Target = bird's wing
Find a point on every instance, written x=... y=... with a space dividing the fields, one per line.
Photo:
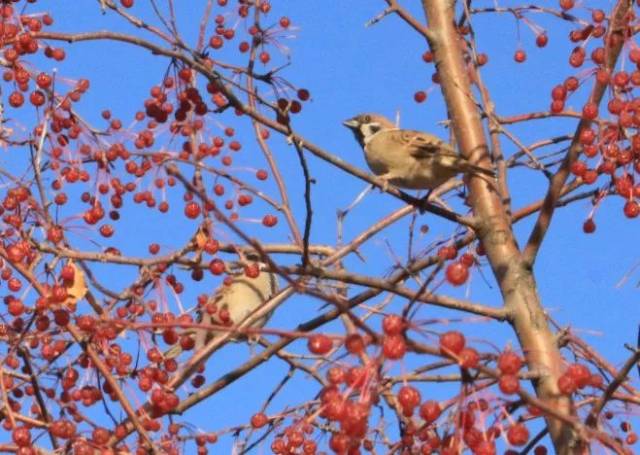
x=416 y=144
x=423 y=146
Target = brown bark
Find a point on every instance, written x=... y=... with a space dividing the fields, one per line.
x=515 y=278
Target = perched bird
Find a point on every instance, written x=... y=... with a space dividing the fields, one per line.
x=406 y=158
x=245 y=290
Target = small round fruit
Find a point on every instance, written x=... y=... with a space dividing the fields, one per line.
x=192 y=210
x=430 y=411
x=469 y=358
x=393 y=324
x=269 y=220
x=420 y=96
x=408 y=397
x=542 y=39
x=517 y=434
x=509 y=384
x=259 y=420
x=457 y=273
x=509 y=362
x=319 y=344
x=589 y=226
x=394 y=347
x=354 y=344
x=452 y=342
x=566 y=384
x=520 y=56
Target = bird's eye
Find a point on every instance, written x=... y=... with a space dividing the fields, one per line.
x=367 y=118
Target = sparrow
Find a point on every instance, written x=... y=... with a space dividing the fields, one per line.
x=407 y=158
x=244 y=291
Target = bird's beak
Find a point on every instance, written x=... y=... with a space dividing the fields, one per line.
x=351 y=123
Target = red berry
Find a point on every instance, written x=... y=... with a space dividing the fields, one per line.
x=295 y=107
x=518 y=435
x=452 y=343
x=285 y=22
x=192 y=210
x=559 y=92
x=106 y=230
x=21 y=436
x=68 y=273
x=217 y=267
x=590 y=111
x=319 y=344
x=621 y=78
x=430 y=411
x=408 y=397
x=354 y=344
x=457 y=273
x=542 y=39
x=269 y=220
x=580 y=374
x=577 y=57
x=589 y=226
x=393 y=324
x=420 y=96
x=394 y=347
x=631 y=209
x=43 y=80
x=598 y=16
x=259 y=420
x=16 y=99
x=252 y=271
x=557 y=106
x=37 y=98
x=566 y=384
x=566 y=4
x=211 y=246
x=587 y=136
x=447 y=253
x=578 y=168
x=469 y=358
x=303 y=94
x=520 y=56
x=216 y=42
x=467 y=259
x=336 y=375
x=509 y=362
x=509 y=384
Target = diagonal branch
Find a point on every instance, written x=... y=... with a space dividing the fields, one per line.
x=618 y=380
x=199 y=65
x=616 y=30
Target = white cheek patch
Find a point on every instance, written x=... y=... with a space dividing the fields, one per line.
x=369 y=130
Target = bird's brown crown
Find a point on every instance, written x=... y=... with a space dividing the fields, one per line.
x=369 y=119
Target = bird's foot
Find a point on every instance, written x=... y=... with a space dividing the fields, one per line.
x=383 y=183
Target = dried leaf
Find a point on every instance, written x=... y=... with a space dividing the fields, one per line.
x=201 y=238
x=77 y=289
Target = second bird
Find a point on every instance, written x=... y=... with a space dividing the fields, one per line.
x=407 y=158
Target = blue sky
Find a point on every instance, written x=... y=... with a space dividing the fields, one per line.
x=350 y=68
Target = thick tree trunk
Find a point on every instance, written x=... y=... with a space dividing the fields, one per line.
x=514 y=276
